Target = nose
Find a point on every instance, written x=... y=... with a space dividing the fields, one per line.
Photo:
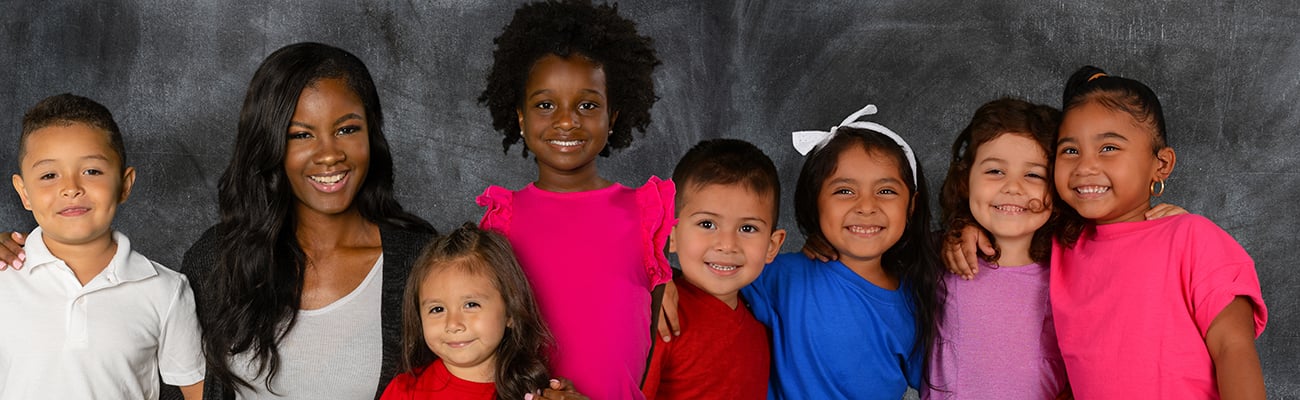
x=567 y=119
x=1087 y=164
x=865 y=205
x=72 y=187
x=455 y=321
x=328 y=151
x=726 y=241
x=1013 y=187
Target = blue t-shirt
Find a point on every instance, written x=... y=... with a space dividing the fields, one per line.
x=834 y=334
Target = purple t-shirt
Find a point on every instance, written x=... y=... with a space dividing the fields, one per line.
x=997 y=338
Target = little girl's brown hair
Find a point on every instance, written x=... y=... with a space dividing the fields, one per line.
x=521 y=361
x=1005 y=116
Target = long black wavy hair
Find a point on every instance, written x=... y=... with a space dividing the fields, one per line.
x=565 y=28
x=914 y=259
x=259 y=276
x=520 y=357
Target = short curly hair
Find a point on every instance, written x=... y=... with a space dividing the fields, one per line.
x=564 y=28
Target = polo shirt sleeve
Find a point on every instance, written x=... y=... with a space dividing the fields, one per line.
x=180 y=353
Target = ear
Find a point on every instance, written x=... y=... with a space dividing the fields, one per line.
x=613 y=117
x=1165 y=160
x=774 y=244
x=519 y=113
x=128 y=181
x=672 y=240
x=22 y=191
x=911 y=205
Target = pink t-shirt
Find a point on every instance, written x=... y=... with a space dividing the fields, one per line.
x=592 y=259
x=1133 y=300
x=997 y=340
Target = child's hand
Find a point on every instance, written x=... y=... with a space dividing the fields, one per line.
x=560 y=389
x=820 y=250
x=960 y=254
x=669 y=326
x=11 y=250
x=1164 y=210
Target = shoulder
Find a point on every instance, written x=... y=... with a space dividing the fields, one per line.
x=202 y=256
x=402 y=246
x=495 y=195
x=399 y=240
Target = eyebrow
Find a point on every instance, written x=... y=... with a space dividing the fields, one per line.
x=715 y=215
x=100 y=157
x=1105 y=135
x=478 y=296
x=855 y=181
x=591 y=91
x=345 y=117
x=995 y=159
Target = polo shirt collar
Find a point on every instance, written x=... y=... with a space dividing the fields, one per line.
x=126 y=265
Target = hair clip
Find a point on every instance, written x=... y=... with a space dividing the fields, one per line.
x=808 y=141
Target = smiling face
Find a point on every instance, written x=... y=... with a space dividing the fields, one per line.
x=1009 y=188
x=1106 y=162
x=464 y=319
x=565 y=115
x=72 y=181
x=863 y=206
x=328 y=150
x=724 y=237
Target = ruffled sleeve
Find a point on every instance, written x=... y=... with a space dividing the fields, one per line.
x=500 y=207
x=655 y=199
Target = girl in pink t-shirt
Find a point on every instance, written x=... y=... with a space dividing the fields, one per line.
x=571 y=81
x=1166 y=308
x=995 y=337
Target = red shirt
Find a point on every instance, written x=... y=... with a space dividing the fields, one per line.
x=437 y=382
x=722 y=353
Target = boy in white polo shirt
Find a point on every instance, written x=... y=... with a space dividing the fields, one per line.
x=93 y=319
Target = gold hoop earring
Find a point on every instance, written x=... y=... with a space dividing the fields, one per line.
x=1158 y=193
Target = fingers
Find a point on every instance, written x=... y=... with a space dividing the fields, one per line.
x=955 y=259
x=819 y=250
x=669 y=325
x=1164 y=210
x=11 y=251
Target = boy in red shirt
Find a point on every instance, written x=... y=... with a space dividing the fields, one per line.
x=727 y=205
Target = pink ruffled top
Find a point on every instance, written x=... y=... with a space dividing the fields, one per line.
x=592 y=259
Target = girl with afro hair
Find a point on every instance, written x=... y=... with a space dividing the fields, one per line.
x=571 y=80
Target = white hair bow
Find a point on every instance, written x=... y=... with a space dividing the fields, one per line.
x=807 y=141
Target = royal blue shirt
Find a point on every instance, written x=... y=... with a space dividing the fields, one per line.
x=834 y=334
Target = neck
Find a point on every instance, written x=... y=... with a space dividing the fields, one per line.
x=88 y=259
x=872 y=271
x=579 y=180
x=1014 y=251
x=321 y=234
x=1134 y=215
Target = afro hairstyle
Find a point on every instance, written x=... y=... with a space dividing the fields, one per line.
x=564 y=28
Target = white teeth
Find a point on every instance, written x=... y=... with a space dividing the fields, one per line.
x=862 y=230
x=566 y=143
x=1010 y=208
x=723 y=268
x=328 y=180
x=1092 y=189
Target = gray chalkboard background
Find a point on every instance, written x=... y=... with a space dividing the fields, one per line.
x=174 y=73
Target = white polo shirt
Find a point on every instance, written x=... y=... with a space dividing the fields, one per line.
x=107 y=340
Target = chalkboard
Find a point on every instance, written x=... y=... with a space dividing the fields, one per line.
x=174 y=74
